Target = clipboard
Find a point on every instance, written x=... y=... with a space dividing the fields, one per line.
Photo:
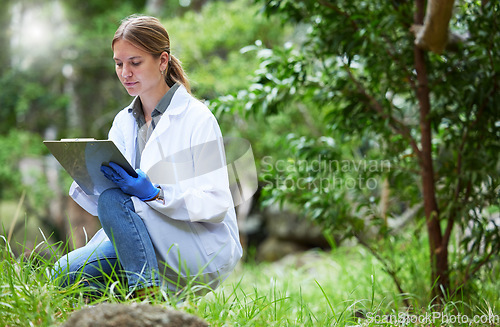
x=82 y=159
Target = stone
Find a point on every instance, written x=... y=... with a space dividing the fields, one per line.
x=273 y=249
x=132 y=315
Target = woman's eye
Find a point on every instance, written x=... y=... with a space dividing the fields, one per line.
x=136 y=63
x=119 y=64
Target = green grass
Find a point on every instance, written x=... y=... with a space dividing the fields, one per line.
x=310 y=289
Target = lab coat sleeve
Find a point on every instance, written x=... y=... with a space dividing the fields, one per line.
x=205 y=197
x=87 y=202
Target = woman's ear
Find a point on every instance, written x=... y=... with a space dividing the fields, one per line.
x=164 y=61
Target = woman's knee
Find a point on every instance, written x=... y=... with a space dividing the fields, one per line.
x=63 y=271
x=109 y=196
x=110 y=201
x=89 y=262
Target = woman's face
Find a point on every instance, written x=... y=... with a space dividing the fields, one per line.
x=139 y=72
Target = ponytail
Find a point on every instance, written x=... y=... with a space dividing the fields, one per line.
x=175 y=73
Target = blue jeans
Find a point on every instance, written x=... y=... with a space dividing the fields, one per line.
x=128 y=252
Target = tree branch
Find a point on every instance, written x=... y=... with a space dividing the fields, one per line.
x=433 y=34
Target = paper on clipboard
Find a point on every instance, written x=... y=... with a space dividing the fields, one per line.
x=82 y=159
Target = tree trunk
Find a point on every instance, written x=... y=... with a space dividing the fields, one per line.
x=438 y=253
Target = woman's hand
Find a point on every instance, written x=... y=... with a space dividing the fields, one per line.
x=139 y=186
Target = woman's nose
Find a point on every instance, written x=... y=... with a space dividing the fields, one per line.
x=126 y=72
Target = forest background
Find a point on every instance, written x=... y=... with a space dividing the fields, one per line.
x=379 y=141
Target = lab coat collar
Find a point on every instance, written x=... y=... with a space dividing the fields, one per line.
x=179 y=104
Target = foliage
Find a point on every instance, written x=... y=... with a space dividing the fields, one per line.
x=24 y=95
x=211 y=56
x=13 y=147
x=355 y=72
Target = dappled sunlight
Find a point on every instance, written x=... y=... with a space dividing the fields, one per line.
x=36 y=30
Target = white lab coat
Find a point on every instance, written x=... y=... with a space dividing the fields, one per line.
x=195 y=231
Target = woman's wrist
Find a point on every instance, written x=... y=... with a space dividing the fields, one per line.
x=158 y=196
x=154 y=197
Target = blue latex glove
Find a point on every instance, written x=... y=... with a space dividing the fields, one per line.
x=139 y=186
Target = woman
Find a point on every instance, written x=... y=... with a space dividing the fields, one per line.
x=182 y=229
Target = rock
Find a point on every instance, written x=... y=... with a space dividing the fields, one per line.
x=293 y=227
x=132 y=315
x=273 y=249
x=288 y=233
x=310 y=258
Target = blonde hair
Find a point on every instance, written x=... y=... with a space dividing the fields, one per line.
x=148 y=33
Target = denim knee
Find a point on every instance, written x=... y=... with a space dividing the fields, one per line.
x=60 y=273
x=67 y=270
x=109 y=197
x=110 y=201
x=89 y=264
